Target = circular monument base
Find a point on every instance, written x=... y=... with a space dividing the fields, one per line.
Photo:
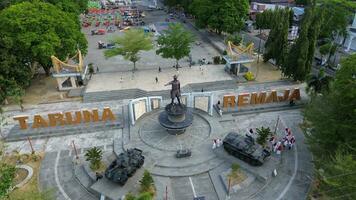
x=176 y=118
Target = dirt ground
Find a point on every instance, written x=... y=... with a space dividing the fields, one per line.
x=43 y=89
x=264 y=72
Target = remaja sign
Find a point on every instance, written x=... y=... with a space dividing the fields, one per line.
x=254 y=98
x=67 y=118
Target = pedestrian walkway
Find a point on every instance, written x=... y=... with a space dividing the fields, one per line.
x=145 y=79
x=56 y=174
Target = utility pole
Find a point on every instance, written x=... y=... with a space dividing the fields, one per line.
x=75 y=150
x=166 y=198
x=275 y=129
x=32 y=150
x=259 y=47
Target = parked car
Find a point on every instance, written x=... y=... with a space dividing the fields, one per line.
x=98 y=32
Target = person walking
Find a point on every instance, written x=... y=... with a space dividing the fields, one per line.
x=98 y=176
x=159 y=69
x=214 y=143
x=156 y=79
x=218 y=142
x=291 y=142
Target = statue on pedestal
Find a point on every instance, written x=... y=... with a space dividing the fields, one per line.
x=176 y=117
x=175 y=91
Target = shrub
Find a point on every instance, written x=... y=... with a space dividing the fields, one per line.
x=94 y=156
x=235 y=167
x=91 y=68
x=249 y=76
x=146 y=182
x=235 y=39
x=223 y=61
x=130 y=196
x=263 y=134
x=7 y=174
x=144 y=196
x=224 y=52
x=141 y=196
x=216 y=60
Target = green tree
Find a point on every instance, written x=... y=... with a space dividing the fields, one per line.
x=235 y=167
x=129 y=196
x=75 y=6
x=49 y=32
x=17 y=96
x=266 y=19
x=225 y=16
x=339 y=172
x=7 y=173
x=318 y=83
x=333 y=115
x=146 y=182
x=170 y=3
x=277 y=42
x=233 y=14
x=336 y=14
x=94 y=156
x=302 y=2
x=13 y=74
x=263 y=134
x=202 y=10
x=130 y=44
x=2 y=123
x=324 y=50
x=301 y=55
x=144 y=196
x=328 y=49
x=175 y=43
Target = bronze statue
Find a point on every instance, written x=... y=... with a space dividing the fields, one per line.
x=175 y=91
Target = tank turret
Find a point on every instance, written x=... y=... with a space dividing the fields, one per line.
x=245 y=149
x=125 y=166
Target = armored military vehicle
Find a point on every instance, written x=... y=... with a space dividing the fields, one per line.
x=245 y=149
x=125 y=166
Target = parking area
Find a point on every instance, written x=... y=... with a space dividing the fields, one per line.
x=149 y=59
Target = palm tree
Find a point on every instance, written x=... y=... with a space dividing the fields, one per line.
x=318 y=83
x=94 y=156
x=263 y=134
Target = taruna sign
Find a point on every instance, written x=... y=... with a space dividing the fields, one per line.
x=263 y=97
x=67 y=118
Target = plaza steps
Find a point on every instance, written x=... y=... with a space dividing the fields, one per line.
x=188 y=170
x=82 y=177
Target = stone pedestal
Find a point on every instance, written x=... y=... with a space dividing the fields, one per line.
x=176 y=118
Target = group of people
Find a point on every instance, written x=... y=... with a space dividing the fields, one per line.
x=217 y=143
x=287 y=142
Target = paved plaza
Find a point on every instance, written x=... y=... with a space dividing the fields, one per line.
x=145 y=79
x=149 y=59
x=199 y=175
x=204 y=174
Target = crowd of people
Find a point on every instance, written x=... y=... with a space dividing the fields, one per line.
x=287 y=142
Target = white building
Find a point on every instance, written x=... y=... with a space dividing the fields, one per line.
x=350 y=42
